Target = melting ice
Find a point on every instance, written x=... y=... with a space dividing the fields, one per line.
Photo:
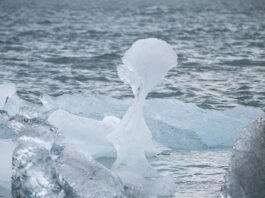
x=55 y=141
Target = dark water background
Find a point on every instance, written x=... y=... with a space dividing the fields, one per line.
x=60 y=46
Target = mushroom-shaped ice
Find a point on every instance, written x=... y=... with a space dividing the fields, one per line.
x=145 y=64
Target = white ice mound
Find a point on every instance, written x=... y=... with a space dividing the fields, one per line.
x=87 y=134
x=245 y=177
x=145 y=65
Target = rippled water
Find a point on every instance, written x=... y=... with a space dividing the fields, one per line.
x=61 y=46
x=196 y=173
x=55 y=47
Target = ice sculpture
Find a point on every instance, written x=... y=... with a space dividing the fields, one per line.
x=145 y=64
x=245 y=177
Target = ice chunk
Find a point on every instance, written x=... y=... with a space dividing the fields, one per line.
x=11 y=129
x=144 y=65
x=90 y=179
x=245 y=177
x=34 y=173
x=173 y=137
x=43 y=169
x=88 y=135
x=6 y=150
x=214 y=128
x=9 y=101
x=7 y=90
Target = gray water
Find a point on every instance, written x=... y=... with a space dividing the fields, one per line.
x=61 y=46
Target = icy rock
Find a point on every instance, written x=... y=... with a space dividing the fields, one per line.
x=43 y=169
x=19 y=126
x=88 y=178
x=34 y=175
x=145 y=65
x=245 y=177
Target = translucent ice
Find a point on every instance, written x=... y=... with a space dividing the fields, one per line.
x=43 y=169
x=245 y=177
x=11 y=103
x=7 y=90
x=144 y=65
x=214 y=128
x=6 y=151
x=174 y=123
x=86 y=134
x=88 y=178
x=12 y=128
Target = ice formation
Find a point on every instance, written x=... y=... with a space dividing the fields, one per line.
x=6 y=151
x=43 y=169
x=7 y=90
x=57 y=163
x=144 y=65
x=174 y=124
x=89 y=135
x=245 y=177
x=9 y=101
